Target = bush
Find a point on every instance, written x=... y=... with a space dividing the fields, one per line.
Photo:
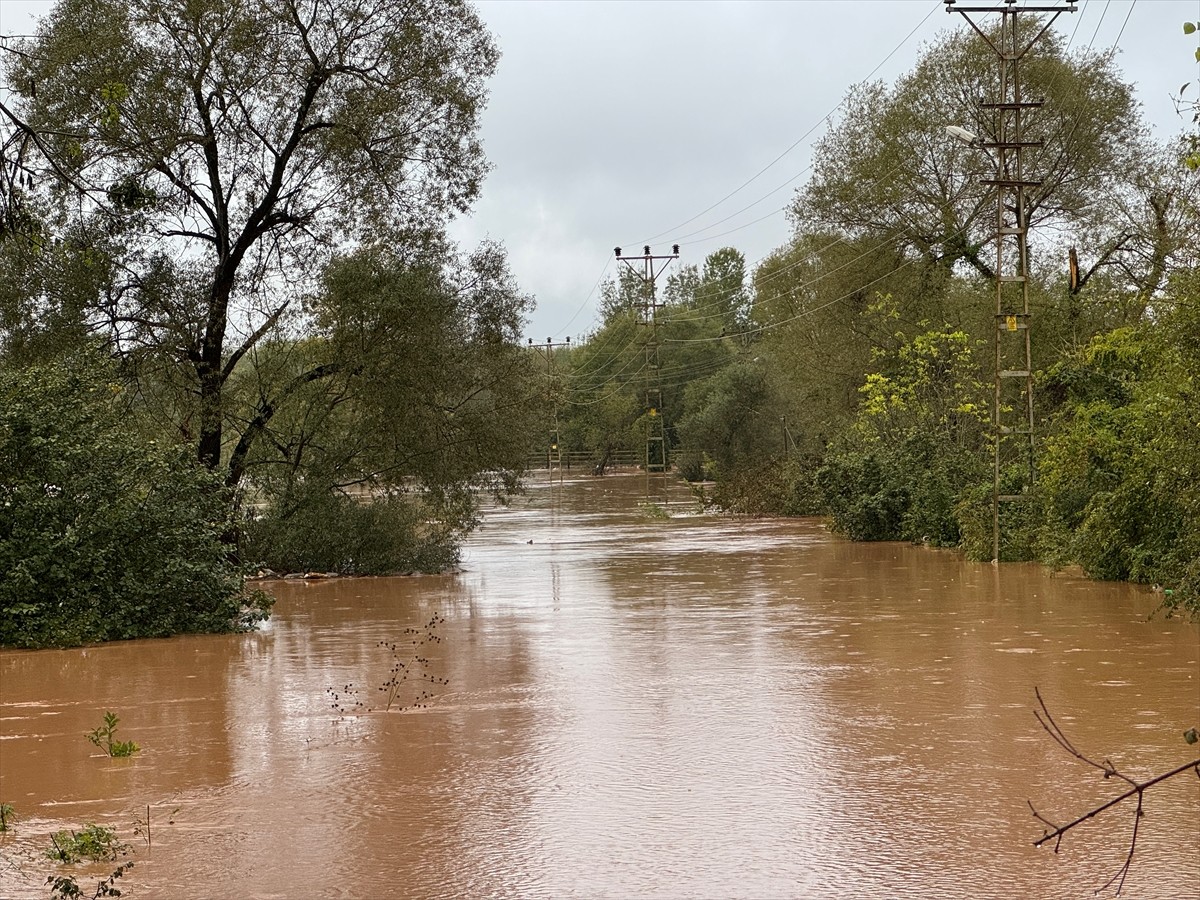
x=382 y=536
x=865 y=501
x=1119 y=471
x=92 y=843
x=916 y=446
x=104 y=535
x=1024 y=525
x=776 y=487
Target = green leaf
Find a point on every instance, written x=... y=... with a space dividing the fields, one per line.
x=1189 y=27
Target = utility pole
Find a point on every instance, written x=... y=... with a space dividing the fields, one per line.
x=1012 y=410
x=649 y=267
x=553 y=450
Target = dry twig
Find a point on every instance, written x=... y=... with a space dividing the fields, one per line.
x=1053 y=832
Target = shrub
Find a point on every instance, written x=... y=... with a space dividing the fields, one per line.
x=380 y=536
x=104 y=535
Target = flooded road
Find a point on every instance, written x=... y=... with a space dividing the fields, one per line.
x=693 y=706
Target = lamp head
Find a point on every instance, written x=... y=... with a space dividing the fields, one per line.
x=967 y=137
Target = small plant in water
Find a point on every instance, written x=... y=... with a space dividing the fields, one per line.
x=652 y=510
x=345 y=699
x=408 y=666
x=65 y=887
x=102 y=737
x=93 y=843
x=7 y=816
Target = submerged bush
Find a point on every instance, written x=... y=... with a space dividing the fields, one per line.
x=104 y=535
x=1119 y=473
x=776 y=487
x=92 y=843
x=916 y=447
x=317 y=528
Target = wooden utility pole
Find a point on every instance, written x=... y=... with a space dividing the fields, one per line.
x=649 y=267
x=1012 y=409
x=554 y=445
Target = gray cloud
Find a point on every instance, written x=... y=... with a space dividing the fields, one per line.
x=611 y=122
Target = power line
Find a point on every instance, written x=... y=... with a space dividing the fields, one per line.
x=781 y=272
x=798 y=141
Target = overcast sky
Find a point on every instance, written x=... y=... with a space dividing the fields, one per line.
x=622 y=123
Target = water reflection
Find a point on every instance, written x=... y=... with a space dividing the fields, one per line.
x=694 y=706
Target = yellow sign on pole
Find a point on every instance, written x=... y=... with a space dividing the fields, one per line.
x=1011 y=322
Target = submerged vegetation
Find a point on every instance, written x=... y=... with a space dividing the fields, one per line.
x=408 y=671
x=92 y=843
x=103 y=738
x=850 y=374
x=246 y=348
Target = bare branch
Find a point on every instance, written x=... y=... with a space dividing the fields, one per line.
x=1138 y=789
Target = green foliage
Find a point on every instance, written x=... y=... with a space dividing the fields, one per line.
x=66 y=887
x=102 y=737
x=866 y=501
x=93 y=843
x=698 y=334
x=1120 y=474
x=777 y=486
x=382 y=535
x=918 y=443
x=1022 y=523
x=314 y=323
x=396 y=453
x=7 y=816
x=651 y=510
x=104 y=535
x=728 y=414
x=886 y=173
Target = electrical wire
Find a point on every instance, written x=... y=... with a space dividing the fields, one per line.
x=760 y=173
x=893 y=240
x=937 y=5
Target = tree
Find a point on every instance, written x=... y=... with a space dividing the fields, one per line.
x=722 y=289
x=334 y=419
x=624 y=294
x=212 y=155
x=611 y=370
x=887 y=173
x=602 y=407
x=729 y=415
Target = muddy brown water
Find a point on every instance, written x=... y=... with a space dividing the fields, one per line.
x=637 y=707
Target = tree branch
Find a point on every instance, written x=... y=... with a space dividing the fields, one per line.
x=1137 y=789
x=237 y=354
x=266 y=410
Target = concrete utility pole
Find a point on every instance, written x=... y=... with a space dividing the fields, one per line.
x=553 y=451
x=656 y=434
x=1012 y=411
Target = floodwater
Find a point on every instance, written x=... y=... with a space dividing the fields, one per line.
x=692 y=706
